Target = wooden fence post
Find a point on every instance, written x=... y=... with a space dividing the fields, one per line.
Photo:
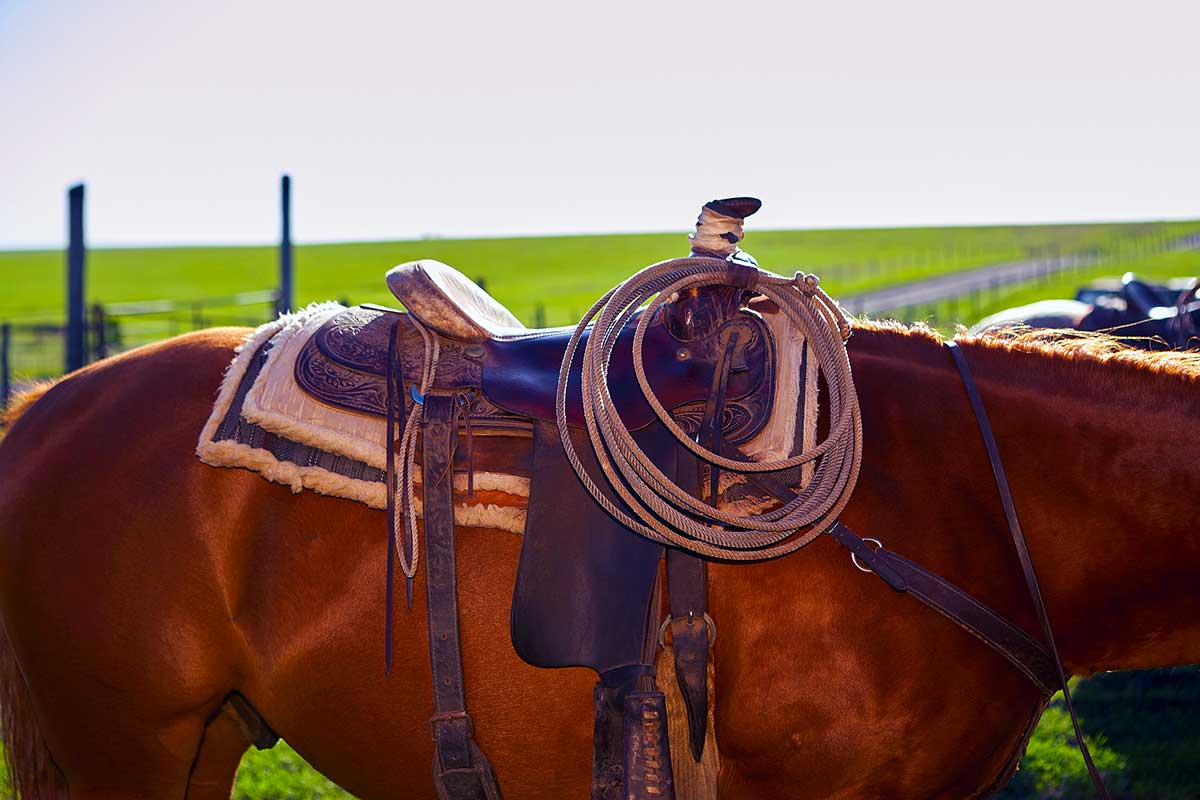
x=99 y=333
x=76 y=349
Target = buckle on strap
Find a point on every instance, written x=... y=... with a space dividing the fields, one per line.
x=668 y=619
x=450 y=716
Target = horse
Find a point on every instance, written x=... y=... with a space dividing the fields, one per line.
x=1139 y=314
x=161 y=616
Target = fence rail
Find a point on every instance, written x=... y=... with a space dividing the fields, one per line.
x=35 y=350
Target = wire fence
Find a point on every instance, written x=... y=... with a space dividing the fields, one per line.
x=35 y=350
x=968 y=296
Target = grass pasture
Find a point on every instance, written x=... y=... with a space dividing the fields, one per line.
x=547 y=281
x=544 y=281
x=565 y=274
x=1145 y=722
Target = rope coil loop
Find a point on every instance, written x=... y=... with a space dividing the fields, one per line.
x=663 y=511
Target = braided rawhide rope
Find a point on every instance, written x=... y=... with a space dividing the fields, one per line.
x=663 y=511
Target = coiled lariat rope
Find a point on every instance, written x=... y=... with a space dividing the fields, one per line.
x=662 y=510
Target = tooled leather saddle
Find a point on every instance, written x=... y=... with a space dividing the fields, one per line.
x=588 y=590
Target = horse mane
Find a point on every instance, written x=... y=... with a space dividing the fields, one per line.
x=20 y=403
x=1062 y=345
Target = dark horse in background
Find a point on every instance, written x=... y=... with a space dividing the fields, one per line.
x=1142 y=314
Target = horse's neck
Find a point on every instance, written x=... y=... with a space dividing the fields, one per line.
x=1101 y=470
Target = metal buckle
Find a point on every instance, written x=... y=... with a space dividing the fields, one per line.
x=854 y=558
x=450 y=716
x=667 y=620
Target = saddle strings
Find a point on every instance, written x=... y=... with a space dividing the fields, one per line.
x=663 y=511
x=404 y=520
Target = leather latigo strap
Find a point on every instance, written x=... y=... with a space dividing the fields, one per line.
x=687 y=588
x=687 y=575
x=460 y=769
x=1022 y=548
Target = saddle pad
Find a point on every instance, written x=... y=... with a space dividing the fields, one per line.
x=262 y=421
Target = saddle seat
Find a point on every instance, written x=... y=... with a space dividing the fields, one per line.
x=515 y=369
x=449 y=303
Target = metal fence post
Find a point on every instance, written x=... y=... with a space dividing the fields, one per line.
x=76 y=349
x=286 y=287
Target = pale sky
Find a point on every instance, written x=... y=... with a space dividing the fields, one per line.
x=398 y=120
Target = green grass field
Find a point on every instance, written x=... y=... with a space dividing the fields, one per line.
x=565 y=274
x=545 y=281
x=1144 y=739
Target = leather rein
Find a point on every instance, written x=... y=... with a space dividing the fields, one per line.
x=1022 y=548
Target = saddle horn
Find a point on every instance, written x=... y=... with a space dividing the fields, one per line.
x=701 y=310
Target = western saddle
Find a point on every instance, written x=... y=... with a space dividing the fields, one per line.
x=588 y=590
x=674 y=390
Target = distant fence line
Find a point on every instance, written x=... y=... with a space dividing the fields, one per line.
x=921 y=264
x=88 y=334
x=115 y=327
x=972 y=291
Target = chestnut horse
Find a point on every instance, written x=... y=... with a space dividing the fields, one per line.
x=140 y=588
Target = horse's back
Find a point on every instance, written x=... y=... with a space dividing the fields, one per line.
x=167 y=380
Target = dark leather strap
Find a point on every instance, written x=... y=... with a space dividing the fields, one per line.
x=871 y=559
x=713 y=422
x=1018 y=537
x=396 y=418
x=687 y=589
x=1007 y=639
x=460 y=770
x=687 y=575
x=934 y=591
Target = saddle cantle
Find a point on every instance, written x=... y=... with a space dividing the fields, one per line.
x=449 y=303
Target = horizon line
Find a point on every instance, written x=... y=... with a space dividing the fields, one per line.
x=296 y=242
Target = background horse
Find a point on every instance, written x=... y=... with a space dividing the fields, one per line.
x=1139 y=314
x=144 y=594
